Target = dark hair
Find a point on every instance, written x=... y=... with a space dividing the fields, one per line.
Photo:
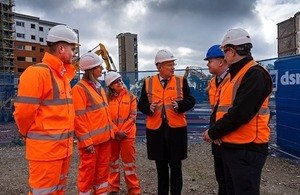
x=244 y=49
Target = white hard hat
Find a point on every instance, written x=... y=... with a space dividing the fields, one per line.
x=111 y=77
x=62 y=33
x=164 y=56
x=89 y=60
x=236 y=36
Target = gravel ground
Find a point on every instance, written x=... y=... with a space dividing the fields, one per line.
x=281 y=176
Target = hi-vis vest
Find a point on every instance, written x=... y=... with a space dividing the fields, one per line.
x=92 y=118
x=257 y=129
x=214 y=91
x=156 y=93
x=50 y=131
x=123 y=110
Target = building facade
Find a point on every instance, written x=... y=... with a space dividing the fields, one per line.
x=288 y=34
x=128 y=56
x=30 y=40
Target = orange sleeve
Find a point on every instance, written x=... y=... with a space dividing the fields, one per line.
x=30 y=92
x=80 y=101
x=126 y=127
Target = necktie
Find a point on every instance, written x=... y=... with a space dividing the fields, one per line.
x=165 y=82
x=219 y=80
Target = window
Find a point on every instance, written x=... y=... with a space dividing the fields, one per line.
x=21 y=35
x=41 y=28
x=32 y=26
x=32 y=37
x=41 y=50
x=33 y=59
x=33 y=48
x=21 y=47
x=21 y=59
x=41 y=39
x=18 y=23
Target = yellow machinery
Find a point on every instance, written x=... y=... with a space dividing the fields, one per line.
x=110 y=66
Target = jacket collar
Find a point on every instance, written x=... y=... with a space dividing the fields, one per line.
x=236 y=67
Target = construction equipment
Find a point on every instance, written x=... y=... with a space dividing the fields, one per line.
x=110 y=66
x=199 y=80
x=196 y=71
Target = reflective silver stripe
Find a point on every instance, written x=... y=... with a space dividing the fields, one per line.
x=235 y=88
x=85 y=193
x=93 y=133
x=90 y=108
x=133 y=112
x=114 y=170
x=122 y=120
x=128 y=164
x=178 y=87
x=51 y=137
x=262 y=111
x=158 y=107
x=100 y=186
x=168 y=106
x=114 y=163
x=150 y=88
x=93 y=106
x=54 y=83
x=27 y=100
x=57 y=102
x=38 y=191
x=96 y=106
x=80 y=112
x=129 y=172
x=223 y=108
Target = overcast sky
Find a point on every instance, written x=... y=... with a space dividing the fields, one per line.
x=186 y=27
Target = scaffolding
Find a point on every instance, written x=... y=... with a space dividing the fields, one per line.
x=7 y=62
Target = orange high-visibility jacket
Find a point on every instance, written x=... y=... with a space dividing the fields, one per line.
x=44 y=111
x=257 y=129
x=123 y=110
x=156 y=93
x=214 y=91
x=92 y=118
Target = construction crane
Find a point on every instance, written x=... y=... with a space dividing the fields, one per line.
x=110 y=66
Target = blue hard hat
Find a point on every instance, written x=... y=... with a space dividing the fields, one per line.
x=214 y=52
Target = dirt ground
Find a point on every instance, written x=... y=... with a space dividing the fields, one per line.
x=281 y=175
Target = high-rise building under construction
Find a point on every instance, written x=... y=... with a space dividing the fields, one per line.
x=128 y=56
x=7 y=36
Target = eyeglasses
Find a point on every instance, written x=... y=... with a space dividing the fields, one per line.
x=116 y=81
x=226 y=49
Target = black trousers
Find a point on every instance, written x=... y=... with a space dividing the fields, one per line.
x=242 y=170
x=165 y=179
x=220 y=176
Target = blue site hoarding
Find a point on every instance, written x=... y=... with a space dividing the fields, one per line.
x=288 y=104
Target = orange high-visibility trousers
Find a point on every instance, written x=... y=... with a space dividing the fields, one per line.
x=94 y=169
x=48 y=177
x=127 y=149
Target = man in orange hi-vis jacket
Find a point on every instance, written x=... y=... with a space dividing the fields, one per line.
x=123 y=110
x=44 y=113
x=93 y=128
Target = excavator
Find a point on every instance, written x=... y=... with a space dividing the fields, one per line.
x=110 y=66
x=196 y=71
x=200 y=79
